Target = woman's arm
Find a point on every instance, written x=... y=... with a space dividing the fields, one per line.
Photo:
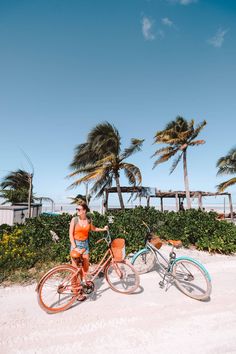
x=99 y=229
x=71 y=233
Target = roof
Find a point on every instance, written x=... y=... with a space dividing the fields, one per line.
x=13 y=207
x=154 y=192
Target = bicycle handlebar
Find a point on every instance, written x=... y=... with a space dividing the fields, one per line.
x=106 y=238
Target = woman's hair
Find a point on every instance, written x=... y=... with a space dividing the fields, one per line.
x=84 y=205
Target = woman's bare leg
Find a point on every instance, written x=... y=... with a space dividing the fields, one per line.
x=85 y=266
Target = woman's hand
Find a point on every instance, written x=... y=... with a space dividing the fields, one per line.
x=105 y=228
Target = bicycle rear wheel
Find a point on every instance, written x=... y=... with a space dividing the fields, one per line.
x=58 y=290
x=144 y=261
x=192 y=279
x=122 y=277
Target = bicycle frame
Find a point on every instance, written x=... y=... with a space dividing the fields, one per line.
x=102 y=264
x=105 y=261
x=167 y=270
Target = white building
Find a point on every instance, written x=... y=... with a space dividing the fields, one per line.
x=16 y=214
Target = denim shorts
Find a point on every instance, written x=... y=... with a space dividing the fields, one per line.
x=82 y=244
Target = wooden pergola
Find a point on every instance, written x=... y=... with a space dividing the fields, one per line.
x=148 y=193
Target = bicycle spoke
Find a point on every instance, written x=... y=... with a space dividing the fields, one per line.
x=191 y=279
x=58 y=289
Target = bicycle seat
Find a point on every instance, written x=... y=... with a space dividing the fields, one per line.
x=76 y=254
x=175 y=243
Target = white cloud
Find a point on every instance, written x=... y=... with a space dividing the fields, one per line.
x=147 y=28
x=218 y=39
x=187 y=2
x=183 y=2
x=167 y=22
x=161 y=34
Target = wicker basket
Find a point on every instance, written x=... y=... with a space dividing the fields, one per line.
x=118 y=249
x=156 y=241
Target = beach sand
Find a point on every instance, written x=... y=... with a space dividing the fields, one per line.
x=150 y=321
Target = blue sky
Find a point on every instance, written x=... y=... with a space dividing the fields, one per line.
x=66 y=66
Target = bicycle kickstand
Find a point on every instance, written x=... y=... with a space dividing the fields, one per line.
x=163 y=281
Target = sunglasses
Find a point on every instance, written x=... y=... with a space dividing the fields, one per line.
x=79 y=209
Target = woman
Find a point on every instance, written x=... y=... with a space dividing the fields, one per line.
x=80 y=226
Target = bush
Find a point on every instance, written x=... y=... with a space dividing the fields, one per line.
x=22 y=246
x=15 y=252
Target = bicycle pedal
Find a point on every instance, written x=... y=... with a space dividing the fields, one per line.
x=88 y=287
x=161 y=284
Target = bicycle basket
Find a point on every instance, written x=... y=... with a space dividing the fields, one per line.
x=118 y=249
x=156 y=241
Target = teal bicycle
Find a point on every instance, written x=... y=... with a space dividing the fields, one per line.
x=190 y=276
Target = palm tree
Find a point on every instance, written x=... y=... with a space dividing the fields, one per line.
x=100 y=160
x=79 y=197
x=227 y=166
x=178 y=135
x=16 y=187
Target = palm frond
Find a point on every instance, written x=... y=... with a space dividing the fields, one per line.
x=165 y=150
x=175 y=163
x=83 y=156
x=16 y=180
x=104 y=138
x=198 y=129
x=227 y=164
x=197 y=142
x=99 y=186
x=164 y=158
x=133 y=173
x=222 y=186
x=135 y=146
x=89 y=177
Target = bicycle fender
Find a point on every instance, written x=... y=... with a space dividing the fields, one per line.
x=194 y=261
x=143 y=250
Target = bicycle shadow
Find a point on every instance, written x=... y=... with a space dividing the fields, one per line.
x=171 y=283
x=99 y=290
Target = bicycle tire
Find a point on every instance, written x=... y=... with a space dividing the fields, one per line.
x=144 y=261
x=55 y=291
x=192 y=279
x=122 y=277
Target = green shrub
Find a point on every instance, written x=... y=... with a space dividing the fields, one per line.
x=23 y=246
x=15 y=252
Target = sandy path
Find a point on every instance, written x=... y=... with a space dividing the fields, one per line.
x=151 y=321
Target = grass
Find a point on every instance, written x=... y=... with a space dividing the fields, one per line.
x=26 y=276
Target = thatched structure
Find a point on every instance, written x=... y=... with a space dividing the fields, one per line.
x=148 y=193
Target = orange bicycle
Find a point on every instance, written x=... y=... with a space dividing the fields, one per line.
x=61 y=286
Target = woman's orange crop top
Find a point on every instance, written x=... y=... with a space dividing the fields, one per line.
x=81 y=233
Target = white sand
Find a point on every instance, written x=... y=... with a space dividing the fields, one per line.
x=151 y=321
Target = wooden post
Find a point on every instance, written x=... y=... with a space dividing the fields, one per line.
x=148 y=202
x=162 y=209
x=30 y=176
x=200 y=200
x=105 y=204
x=177 y=201
x=231 y=207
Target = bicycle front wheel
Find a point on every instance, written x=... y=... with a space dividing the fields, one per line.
x=192 y=279
x=144 y=261
x=58 y=289
x=122 y=277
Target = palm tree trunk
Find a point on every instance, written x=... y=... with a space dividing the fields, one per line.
x=119 y=191
x=186 y=179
